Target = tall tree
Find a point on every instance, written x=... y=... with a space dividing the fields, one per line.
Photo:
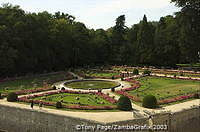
x=145 y=44
x=118 y=39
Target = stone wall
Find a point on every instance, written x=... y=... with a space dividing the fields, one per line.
x=14 y=119
x=187 y=120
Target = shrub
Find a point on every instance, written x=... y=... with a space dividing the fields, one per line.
x=174 y=75
x=112 y=89
x=147 y=72
x=181 y=74
x=54 y=87
x=58 y=105
x=63 y=88
x=12 y=97
x=124 y=103
x=113 y=77
x=196 y=96
x=99 y=90
x=149 y=101
x=135 y=72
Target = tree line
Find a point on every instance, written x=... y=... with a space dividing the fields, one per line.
x=45 y=42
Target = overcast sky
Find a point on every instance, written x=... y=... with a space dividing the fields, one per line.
x=101 y=13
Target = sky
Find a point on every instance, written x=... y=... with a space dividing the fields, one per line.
x=101 y=13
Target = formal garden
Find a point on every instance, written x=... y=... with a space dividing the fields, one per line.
x=166 y=90
x=89 y=94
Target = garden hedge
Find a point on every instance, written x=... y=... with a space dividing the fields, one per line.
x=149 y=101
x=58 y=105
x=135 y=72
x=147 y=72
x=124 y=103
x=12 y=97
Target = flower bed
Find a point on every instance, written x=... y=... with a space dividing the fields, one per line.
x=135 y=86
x=182 y=78
x=28 y=91
x=29 y=98
x=134 y=98
x=175 y=99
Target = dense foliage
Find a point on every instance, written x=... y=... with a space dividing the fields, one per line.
x=147 y=72
x=58 y=105
x=149 y=101
x=12 y=97
x=135 y=72
x=124 y=103
x=44 y=42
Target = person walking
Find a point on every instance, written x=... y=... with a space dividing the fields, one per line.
x=32 y=104
x=40 y=105
x=150 y=123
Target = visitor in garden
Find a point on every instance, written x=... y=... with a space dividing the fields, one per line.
x=150 y=123
x=40 y=105
x=32 y=103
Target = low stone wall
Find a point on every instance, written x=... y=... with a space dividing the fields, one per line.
x=14 y=119
x=184 y=121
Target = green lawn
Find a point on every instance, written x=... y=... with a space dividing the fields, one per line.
x=92 y=84
x=31 y=83
x=101 y=74
x=71 y=99
x=189 y=65
x=165 y=87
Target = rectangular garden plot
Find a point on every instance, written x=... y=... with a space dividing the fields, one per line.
x=73 y=100
x=166 y=90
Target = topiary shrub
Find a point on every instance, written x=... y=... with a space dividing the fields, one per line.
x=58 y=105
x=99 y=90
x=12 y=97
x=149 y=101
x=124 y=103
x=174 y=75
x=54 y=87
x=135 y=72
x=181 y=74
x=196 y=96
x=113 y=77
x=147 y=72
x=112 y=89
